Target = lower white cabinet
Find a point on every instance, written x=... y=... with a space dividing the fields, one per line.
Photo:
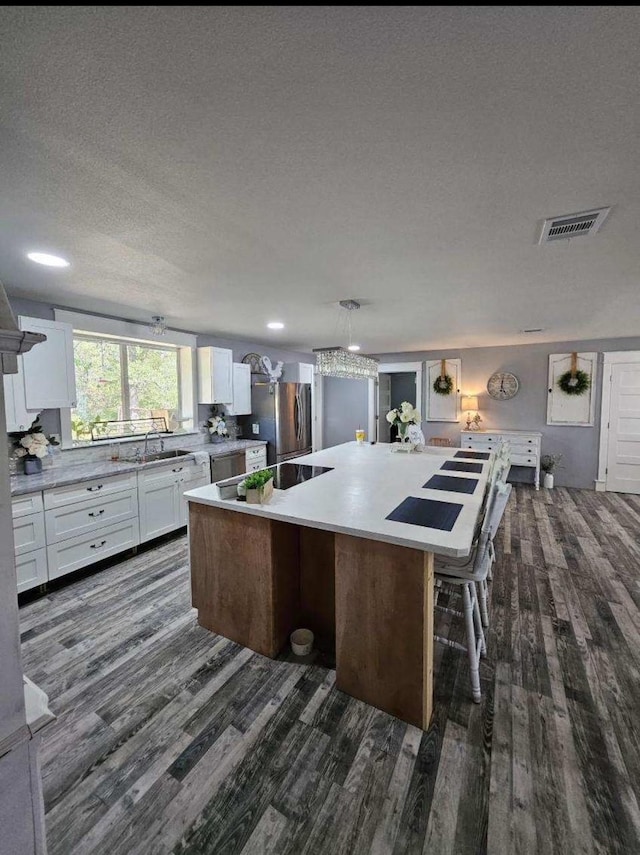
x=31 y=569
x=74 y=520
x=256 y=458
x=77 y=552
x=66 y=528
x=161 y=504
x=28 y=533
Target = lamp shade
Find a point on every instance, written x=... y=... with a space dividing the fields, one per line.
x=469 y=403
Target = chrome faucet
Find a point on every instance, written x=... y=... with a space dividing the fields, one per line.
x=146 y=441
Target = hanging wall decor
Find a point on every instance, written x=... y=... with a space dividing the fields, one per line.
x=571 y=392
x=574 y=381
x=443 y=401
x=443 y=385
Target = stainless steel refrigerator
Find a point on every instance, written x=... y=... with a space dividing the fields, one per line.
x=283 y=411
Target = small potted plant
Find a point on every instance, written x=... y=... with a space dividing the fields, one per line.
x=32 y=445
x=259 y=487
x=549 y=463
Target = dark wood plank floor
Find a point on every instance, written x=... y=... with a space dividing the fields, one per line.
x=170 y=739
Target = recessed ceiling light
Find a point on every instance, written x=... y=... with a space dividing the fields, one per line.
x=353 y=347
x=47 y=259
x=275 y=325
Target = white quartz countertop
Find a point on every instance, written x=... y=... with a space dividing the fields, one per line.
x=367 y=483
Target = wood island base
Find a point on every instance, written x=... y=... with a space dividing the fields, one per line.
x=254 y=580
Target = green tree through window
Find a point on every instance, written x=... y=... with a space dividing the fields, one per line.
x=122 y=380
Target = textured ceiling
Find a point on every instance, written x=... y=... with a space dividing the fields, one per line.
x=226 y=166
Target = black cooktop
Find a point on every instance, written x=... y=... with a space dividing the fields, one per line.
x=286 y=475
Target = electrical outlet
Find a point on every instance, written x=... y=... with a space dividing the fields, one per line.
x=255 y=428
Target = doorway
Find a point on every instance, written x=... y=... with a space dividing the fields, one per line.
x=619 y=469
x=397 y=382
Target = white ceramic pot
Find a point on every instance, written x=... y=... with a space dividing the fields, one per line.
x=302 y=642
x=548 y=480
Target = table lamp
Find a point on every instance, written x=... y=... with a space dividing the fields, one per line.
x=470 y=405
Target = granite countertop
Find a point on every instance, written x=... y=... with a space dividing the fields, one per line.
x=61 y=475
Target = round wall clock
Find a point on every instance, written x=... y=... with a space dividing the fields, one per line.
x=503 y=386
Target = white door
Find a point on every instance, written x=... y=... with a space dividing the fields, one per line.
x=384 y=405
x=623 y=451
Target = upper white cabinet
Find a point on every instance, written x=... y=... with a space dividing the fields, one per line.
x=241 y=405
x=215 y=375
x=19 y=418
x=48 y=370
x=297 y=372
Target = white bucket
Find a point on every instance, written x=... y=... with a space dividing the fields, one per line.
x=302 y=642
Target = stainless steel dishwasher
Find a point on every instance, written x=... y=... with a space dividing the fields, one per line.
x=228 y=466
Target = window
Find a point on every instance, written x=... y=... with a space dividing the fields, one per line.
x=118 y=379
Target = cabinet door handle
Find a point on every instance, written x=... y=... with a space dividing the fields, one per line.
x=179 y=469
x=93 y=489
x=96 y=513
x=98 y=545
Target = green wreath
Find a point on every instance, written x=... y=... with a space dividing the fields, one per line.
x=445 y=389
x=582 y=382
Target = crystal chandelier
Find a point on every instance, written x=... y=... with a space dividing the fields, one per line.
x=158 y=325
x=345 y=362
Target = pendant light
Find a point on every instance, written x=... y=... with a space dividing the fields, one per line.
x=346 y=362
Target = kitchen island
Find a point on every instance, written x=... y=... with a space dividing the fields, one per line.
x=345 y=547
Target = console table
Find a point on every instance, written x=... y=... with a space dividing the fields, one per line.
x=525 y=446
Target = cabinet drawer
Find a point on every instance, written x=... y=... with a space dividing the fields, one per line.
x=22 y=506
x=69 y=555
x=31 y=569
x=74 y=520
x=258 y=451
x=524 y=459
x=169 y=473
x=28 y=533
x=256 y=467
x=520 y=446
x=85 y=490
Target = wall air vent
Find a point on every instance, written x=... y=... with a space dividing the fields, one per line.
x=573 y=225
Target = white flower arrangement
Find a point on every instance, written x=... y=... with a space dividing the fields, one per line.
x=218 y=426
x=403 y=417
x=33 y=442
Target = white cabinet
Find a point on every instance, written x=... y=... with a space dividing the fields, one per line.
x=29 y=541
x=241 y=405
x=297 y=372
x=161 y=506
x=215 y=375
x=48 y=370
x=525 y=446
x=256 y=458
x=31 y=569
x=76 y=552
x=18 y=416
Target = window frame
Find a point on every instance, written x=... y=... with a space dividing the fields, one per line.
x=125 y=332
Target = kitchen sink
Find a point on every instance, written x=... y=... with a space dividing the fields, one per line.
x=164 y=455
x=157 y=455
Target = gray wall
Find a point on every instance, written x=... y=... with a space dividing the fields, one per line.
x=528 y=410
x=51 y=418
x=345 y=408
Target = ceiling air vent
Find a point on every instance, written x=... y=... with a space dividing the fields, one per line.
x=573 y=225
